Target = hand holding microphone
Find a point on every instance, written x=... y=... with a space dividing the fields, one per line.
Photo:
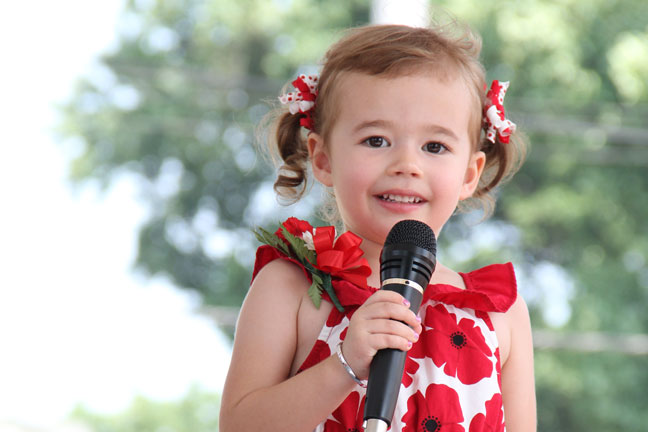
x=407 y=262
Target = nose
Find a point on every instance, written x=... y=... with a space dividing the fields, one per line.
x=405 y=161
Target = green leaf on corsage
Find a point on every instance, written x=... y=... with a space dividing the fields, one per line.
x=299 y=246
x=306 y=257
x=271 y=240
x=315 y=293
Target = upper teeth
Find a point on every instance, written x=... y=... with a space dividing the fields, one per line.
x=400 y=198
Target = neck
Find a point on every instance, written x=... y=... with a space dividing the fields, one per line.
x=441 y=275
x=372 y=254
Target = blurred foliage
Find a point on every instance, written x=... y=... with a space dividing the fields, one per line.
x=176 y=106
x=579 y=77
x=177 y=103
x=196 y=412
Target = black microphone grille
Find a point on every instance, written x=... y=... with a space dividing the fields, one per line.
x=412 y=232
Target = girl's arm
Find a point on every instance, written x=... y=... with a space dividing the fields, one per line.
x=518 y=384
x=259 y=392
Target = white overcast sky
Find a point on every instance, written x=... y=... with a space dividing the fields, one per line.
x=75 y=325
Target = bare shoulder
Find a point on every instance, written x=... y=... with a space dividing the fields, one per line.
x=273 y=299
x=279 y=278
x=513 y=330
x=266 y=332
x=511 y=325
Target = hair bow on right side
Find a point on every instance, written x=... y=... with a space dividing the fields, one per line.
x=495 y=122
x=303 y=99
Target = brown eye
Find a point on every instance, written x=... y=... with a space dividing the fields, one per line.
x=435 y=147
x=376 y=142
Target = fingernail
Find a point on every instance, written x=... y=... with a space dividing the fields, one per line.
x=406 y=302
x=416 y=336
x=418 y=318
x=409 y=345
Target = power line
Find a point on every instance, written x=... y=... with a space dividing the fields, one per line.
x=589 y=342
x=583 y=342
x=572 y=126
x=572 y=122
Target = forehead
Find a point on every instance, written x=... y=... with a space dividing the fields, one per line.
x=416 y=100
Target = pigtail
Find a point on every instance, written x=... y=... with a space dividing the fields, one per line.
x=290 y=147
x=503 y=160
x=286 y=141
x=504 y=147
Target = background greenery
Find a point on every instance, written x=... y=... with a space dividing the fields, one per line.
x=177 y=104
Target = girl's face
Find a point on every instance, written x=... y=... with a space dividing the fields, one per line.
x=400 y=149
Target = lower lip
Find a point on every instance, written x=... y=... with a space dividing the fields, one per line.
x=399 y=207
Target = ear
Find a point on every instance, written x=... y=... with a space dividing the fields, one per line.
x=320 y=159
x=473 y=174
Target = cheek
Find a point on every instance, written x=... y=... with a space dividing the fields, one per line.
x=349 y=182
x=450 y=182
x=348 y=166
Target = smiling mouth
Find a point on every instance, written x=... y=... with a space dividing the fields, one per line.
x=400 y=199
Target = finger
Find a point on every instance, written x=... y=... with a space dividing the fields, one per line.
x=393 y=328
x=394 y=311
x=387 y=296
x=382 y=341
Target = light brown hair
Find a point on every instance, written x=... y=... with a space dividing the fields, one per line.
x=392 y=51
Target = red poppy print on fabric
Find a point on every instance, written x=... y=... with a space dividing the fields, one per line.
x=334 y=318
x=493 y=421
x=459 y=348
x=349 y=416
x=411 y=367
x=498 y=368
x=343 y=333
x=438 y=411
x=418 y=351
x=486 y=318
x=319 y=352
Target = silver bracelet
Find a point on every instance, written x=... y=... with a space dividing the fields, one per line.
x=361 y=383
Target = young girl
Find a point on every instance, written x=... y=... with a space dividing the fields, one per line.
x=398 y=126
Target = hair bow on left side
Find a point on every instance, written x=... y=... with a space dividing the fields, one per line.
x=495 y=122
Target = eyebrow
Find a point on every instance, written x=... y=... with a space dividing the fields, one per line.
x=432 y=128
x=372 y=123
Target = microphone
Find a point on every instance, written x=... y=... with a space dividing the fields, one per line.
x=407 y=262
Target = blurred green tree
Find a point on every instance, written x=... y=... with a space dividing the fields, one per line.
x=176 y=105
x=574 y=217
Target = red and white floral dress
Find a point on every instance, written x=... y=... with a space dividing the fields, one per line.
x=452 y=379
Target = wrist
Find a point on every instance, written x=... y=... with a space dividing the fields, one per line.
x=347 y=368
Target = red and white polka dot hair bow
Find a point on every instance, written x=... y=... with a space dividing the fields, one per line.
x=495 y=122
x=303 y=100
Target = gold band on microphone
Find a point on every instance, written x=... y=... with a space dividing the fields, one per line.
x=400 y=281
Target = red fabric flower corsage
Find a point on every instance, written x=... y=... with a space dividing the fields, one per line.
x=322 y=255
x=342 y=257
x=495 y=122
x=296 y=227
x=302 y=100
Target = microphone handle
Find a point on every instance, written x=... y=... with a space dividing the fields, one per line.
x=386 y=371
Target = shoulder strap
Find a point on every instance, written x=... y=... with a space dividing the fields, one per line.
x=490 y=289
